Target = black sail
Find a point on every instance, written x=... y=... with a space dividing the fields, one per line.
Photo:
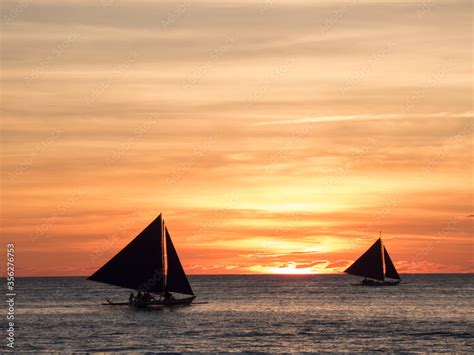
x=176 y=280
x=370 y=264
x=138 y=266
x=390 y=270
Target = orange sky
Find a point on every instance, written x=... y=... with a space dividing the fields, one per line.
x=275 y=136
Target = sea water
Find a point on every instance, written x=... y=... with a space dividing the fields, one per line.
x=250 y=313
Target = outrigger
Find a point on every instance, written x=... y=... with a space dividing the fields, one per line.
x=149 y=264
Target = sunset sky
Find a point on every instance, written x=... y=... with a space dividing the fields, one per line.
x=275 y=136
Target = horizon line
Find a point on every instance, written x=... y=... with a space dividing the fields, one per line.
x=259 y=274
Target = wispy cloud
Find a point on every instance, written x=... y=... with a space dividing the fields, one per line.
x=387 y=116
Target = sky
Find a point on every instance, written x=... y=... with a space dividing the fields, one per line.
x=274 y=136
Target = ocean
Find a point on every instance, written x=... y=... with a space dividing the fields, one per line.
x=250 y=313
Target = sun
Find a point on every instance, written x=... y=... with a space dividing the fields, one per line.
x=291 y=269
x=287 y=269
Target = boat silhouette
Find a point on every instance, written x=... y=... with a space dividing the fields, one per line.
x=148 y=264
x=376 y=267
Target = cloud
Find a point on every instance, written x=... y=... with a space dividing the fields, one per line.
x=412 y=267
x=300 y=198
x=339 y=265
x=387 y=116
x=311 y=264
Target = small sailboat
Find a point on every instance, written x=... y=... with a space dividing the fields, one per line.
x=149 y=264
x=376 y=267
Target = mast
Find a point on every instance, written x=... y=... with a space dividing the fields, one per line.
x=163 y=253
x=390 y=270
x=383 y=255
x=176 y=279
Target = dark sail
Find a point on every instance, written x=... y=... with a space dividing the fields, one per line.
x=138 y=266
x=390 y=270
x=176 y=280
x=370 y=264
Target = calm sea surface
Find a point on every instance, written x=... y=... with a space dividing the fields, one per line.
x=251 y=314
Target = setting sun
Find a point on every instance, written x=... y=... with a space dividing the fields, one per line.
x=291 y=269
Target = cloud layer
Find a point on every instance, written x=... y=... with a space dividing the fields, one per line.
x=275 y=136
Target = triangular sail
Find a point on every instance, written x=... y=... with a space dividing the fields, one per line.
x=138 y=266
x=370 y=264
x=390 y=270
x=176 y=280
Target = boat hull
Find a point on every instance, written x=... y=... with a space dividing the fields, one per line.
x=174 y=302
x=378 y=284
x=157 y=303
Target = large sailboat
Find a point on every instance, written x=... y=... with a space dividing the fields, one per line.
x=150 y=265
x=376 y=267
